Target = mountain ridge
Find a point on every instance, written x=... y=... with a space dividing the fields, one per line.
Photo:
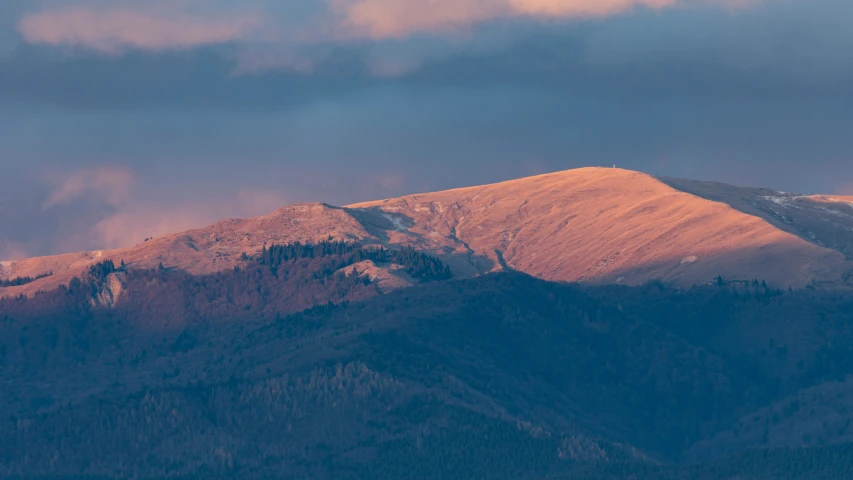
x=594 y=225
x=309 y=361
x=635 y=228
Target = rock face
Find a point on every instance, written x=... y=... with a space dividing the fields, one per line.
x=387 y=277
x=600 y=225
x=111 y=291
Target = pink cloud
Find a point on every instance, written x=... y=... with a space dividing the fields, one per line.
x=110 y=183
x=845 y=189
x=136 y=222
x=111 y=30
x=582 y=8
x=400 y=18
x=278 y=32
x=251 y=203
x=130 y=219
x=11 y=251
x=130 y=227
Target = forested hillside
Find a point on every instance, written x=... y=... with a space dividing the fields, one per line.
x=293 y=366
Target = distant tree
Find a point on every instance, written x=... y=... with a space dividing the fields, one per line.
x=101 y=270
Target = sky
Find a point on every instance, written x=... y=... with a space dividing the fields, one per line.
x=127 y=119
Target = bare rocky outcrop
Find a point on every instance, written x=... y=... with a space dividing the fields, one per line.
x=111 y=290
x=386 y=277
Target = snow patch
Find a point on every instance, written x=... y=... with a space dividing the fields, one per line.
x=397 y=221
x=786 y=199
x=783 y=201
x=387 y=277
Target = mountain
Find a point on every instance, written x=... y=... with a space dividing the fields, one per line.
x=421 y=337
x=825 y=220
x=604 y=225
x=594 y=225
x=293 y=366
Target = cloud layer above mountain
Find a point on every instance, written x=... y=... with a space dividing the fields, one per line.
x=126 y=118
x=110 y=30
x=159 y=25
x=400 y=18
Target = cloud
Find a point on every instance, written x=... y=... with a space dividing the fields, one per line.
x=760 y=96
x=391 y=181
x=108 y=183
x=846 y=189
x=112 y=206
x=158 y=25
x=378 y=38
x=131 y=226
x=257 y=202
x=255 y=61
x=135 y=222
x=399 y=18
x=112 y=30
x=12 y=251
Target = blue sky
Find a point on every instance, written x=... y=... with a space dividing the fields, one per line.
x=124 y=119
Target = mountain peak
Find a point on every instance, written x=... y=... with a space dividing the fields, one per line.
x=609 y=225
x=594 y=224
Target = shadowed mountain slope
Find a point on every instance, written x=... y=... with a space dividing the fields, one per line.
x=596 y=225
x=825 y=220
x=499 y=376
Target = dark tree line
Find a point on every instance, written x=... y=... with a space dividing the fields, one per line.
x=101 y=270
x=419 y=265
x=284 y=279
x=278 y=254
x=18 y=281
